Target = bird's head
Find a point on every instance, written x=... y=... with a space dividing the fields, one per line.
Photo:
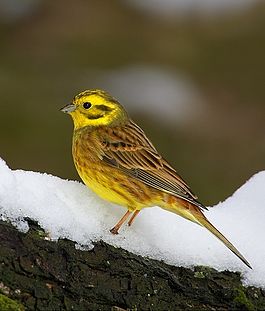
x=95 y=108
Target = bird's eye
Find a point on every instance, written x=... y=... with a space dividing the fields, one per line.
x=86 y=105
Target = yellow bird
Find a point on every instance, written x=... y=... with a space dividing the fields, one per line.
x=116 y=160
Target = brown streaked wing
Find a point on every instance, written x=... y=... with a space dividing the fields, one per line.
x=127 y=148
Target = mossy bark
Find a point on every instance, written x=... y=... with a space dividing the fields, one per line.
x=48 y=275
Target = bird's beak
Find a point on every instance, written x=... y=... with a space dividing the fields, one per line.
x=68 y=108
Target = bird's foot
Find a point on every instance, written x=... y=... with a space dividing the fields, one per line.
x=114 y=230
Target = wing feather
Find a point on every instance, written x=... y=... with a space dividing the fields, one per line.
x=127 y=148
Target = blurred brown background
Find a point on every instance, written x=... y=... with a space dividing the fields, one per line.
x=192 y=75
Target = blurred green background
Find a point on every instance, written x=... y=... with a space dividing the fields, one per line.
x=192 y=76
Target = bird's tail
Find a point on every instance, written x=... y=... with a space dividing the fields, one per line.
x=205 y=223
x=194 y=214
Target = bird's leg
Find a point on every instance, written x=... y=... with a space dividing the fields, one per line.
x=116 y=228
x=133 y=217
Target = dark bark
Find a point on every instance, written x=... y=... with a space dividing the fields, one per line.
x=47 y=275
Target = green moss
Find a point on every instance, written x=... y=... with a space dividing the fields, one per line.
x=7 y=304
x=199 y=275
x=201 y=272
x=242 y=300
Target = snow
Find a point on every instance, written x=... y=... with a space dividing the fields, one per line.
x=68 y=209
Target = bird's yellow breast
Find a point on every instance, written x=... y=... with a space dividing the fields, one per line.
x=102 y=184
x=106 y=181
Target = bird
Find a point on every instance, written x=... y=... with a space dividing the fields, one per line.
x=115 y=159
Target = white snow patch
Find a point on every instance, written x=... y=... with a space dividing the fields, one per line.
x=68 y=209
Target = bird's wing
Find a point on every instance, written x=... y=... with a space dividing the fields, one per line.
x=127 y=148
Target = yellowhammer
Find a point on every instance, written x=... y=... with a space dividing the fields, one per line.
x=116 y=160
